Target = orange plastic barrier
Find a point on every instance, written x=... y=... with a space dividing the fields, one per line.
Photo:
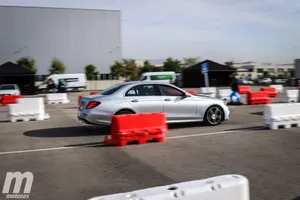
x=12 y=99
x=79 y=99
x=93 y=92
x=270 y=91
x=258 y=98
x=192 y=92
x=244 y=89
x=137 y=127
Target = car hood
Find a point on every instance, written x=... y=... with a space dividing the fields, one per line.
x=203 y=97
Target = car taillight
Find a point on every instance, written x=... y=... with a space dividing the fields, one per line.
x=92 y=104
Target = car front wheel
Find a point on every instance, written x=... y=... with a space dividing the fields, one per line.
x=213 y=116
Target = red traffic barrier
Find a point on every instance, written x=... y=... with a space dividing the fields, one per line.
x=258 y=98
x=79 y=99
x=244 y=89
x=270 y=91
x=137 y=127
x=192 y=92
x=93 y=92
x=12 y=99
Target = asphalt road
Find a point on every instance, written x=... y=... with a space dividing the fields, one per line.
x=69 y=161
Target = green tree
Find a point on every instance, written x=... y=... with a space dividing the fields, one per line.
x=28 y=63
x=126 y=69
x=266 y=74
x=117 y=69
x=188 y=62
x=172 y=65
x=148 y=67
x=158 y=69
x=57 y=67
x=91 y=72
x=131 y=70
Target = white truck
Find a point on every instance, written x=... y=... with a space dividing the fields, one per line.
x=165 y=77
x=75 y=82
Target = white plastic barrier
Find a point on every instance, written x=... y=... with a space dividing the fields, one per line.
x=292 y=95
x=57 y=98
x=224 y=94
x=208 y=91
x=27 y=109
x=226 y=187
x=279 y=88
x=284 y=114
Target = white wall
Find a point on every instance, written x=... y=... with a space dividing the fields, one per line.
x=103 y=84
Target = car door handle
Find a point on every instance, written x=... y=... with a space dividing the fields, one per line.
x=167 y=99
x=134 y=100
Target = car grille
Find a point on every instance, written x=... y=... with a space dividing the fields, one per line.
x=82 y=105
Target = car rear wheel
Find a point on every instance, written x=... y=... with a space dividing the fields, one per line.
x=124 y=112
x=213 y=116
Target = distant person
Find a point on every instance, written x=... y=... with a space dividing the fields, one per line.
x=235 y=89
x=62 y=86
x=51 y=85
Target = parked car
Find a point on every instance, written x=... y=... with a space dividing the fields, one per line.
x=247 y=82
x=149 y=96
x=75 y=82
x=9 y=89
x=265 y=81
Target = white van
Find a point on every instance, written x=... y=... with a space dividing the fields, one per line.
x=165 y=77
x=75 y=82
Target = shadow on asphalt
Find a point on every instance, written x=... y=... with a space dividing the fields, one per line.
x=297 y=198
x=258 y=113
x=71 y=108
x=77 y=131
x=185 y=125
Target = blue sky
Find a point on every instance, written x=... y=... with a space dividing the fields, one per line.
x=221 y=30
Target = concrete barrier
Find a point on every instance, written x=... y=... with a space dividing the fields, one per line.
x=57 y=98
x=27 y=109
x=224 y=94
x=102 y=84
x=226 y=187
x=292 y=95
x=96 y=84
x=279 y=88
x=208 y=91
x=283 y=114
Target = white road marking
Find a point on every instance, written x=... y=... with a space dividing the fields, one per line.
x=200 y=134
x=95 y=145
x=47 y=149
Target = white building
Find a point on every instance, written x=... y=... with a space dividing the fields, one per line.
x=77 y=37
x=256 y=70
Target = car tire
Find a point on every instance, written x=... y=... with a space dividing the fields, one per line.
x=124 y=112
x=214 y=115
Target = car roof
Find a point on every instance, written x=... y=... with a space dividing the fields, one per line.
x=7 y=84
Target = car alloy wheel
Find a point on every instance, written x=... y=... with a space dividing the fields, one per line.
x=214 y=115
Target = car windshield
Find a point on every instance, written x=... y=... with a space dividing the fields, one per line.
x=7 y=87
x=112 y=89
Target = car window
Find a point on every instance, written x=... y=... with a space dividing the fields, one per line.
x=169 y=91
x=143 y=78
x=112 y=90
x=142 y=90
x=7 y=87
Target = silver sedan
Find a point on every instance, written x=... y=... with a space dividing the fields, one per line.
x=145 y=97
